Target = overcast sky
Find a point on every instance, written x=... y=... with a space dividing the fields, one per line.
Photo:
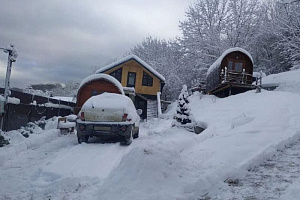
x=58 y=41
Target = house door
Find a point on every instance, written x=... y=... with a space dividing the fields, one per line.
x=141 y=103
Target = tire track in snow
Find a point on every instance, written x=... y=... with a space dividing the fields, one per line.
x=270 y=179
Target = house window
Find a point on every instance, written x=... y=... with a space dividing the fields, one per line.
x=117 y=74
x=147 y=80
x=131 y=79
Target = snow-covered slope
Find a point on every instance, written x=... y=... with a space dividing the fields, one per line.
x=164 y=162
x=287 y=81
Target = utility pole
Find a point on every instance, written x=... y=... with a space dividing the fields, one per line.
x=12 y=57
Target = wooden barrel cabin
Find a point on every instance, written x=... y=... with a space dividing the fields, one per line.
x=94 y=85
x=231 y=73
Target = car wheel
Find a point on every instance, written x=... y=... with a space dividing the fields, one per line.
x=86 y=138
x=136 y=135
x=83 y=139
x=79 y=140
x=127 y=141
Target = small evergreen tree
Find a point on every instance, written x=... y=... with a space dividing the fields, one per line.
x=183 y=111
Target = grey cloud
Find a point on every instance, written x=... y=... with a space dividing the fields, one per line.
x=64 y=40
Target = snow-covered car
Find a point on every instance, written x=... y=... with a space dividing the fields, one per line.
x=108 y=115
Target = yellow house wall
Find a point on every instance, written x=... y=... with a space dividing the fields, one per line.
x=133 y=66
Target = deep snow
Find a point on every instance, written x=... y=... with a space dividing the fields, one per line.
x=164 y=162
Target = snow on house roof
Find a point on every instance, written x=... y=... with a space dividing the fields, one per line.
x=127 y=58
x=102 y=76
x=219 y=60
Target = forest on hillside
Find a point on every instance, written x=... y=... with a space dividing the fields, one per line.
x=269 y=30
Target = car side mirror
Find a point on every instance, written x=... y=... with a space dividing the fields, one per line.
x=139 y=112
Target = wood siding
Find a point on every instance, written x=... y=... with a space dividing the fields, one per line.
x=100 y=86
x=241 y=57
x=134 y=66
x=214 y=78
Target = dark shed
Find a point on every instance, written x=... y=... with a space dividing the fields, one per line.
x=231 y=73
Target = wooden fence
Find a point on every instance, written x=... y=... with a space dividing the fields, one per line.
x=18 y=115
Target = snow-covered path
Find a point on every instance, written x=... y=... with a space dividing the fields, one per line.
x=270 y=179
x=18 y=174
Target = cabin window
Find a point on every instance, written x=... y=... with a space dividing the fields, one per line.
x=147 y=80
x=94 y=92
x=131 y=79
x=238 y=66
x=117 y=74
x=235 y=65
x=230 y=65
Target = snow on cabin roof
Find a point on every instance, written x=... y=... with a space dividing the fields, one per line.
x=127 y=58
x=102 y=76
x=228 y=51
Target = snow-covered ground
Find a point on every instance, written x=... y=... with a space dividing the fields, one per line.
x=243 y=131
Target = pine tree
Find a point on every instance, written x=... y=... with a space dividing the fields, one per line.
x=183 y=111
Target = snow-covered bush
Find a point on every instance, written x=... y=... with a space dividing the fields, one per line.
x=30 y=128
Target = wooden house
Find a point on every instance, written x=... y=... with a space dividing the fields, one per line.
x=135 y=74
x=94 y=85
x=231 y=73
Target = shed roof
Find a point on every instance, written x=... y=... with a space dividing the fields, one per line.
x=228 y=51
x=109 y=78
x=130 y=57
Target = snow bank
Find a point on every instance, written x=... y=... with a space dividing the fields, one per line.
x=242 y=131
x=287 y=81
x=19 y=143
x=127 y=58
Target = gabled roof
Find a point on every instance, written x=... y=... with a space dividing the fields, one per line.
x=137 y=59
x=228 y=51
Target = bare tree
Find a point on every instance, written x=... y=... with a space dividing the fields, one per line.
x=287 y=24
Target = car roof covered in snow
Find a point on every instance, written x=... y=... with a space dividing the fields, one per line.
x=111 y=101
x=217 y=63
x=130 y=57
x=109 y=78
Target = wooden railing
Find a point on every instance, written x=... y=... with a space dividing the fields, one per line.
x=235 y=77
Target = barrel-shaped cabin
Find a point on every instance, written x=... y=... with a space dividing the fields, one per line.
x=231 y=73
x=94 y=85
